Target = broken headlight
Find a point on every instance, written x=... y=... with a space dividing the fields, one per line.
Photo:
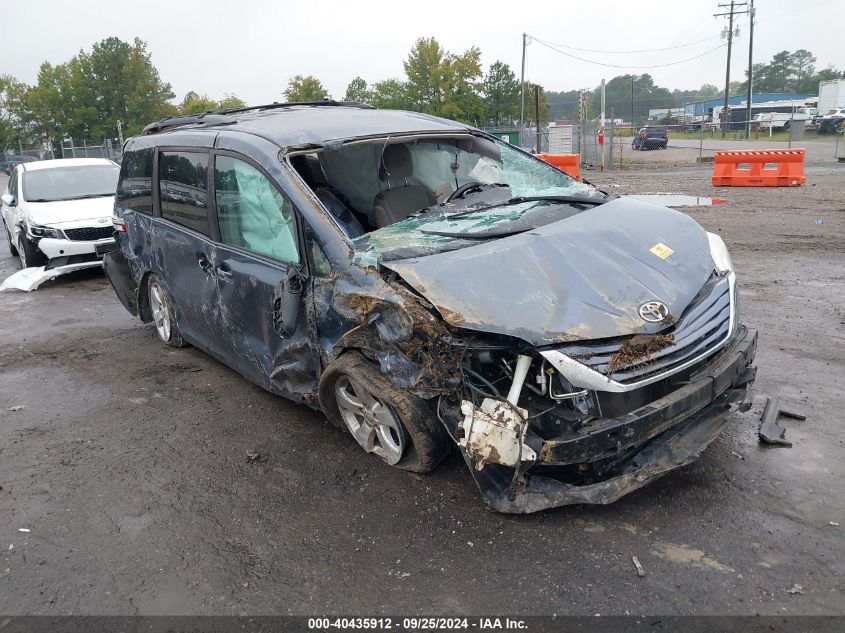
x=719 y=253
x=36 y=230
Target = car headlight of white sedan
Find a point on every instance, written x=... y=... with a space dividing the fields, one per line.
x=36 y=230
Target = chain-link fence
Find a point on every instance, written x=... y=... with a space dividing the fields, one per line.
x=10 y=157
x=698 y=138
x=106 y=148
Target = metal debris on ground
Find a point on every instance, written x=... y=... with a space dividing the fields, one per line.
x=17 y=407
x=640 y=570
x=770 y=431
x=253 y=456
x=796 y=588
x=23 y=529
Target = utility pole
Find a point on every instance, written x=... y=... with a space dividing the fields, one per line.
x=537 y=115
x=522 y=89
x=601 y=127
x=632 y=102
x=750 y=67
x=732 y=11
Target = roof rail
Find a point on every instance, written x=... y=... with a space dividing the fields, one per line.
x=222 y=117
x=324 y=102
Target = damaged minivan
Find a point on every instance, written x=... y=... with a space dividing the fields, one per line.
x=427 y=285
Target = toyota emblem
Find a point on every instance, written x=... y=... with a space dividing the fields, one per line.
x=654 y=311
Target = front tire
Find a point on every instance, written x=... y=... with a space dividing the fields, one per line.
x=12 y=250
x=392 y=423
x=161 y=308
x=28 y=253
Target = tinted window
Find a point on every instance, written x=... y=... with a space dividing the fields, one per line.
x=69 y=183
x=183 y=188
x=135 y=186
x=252 y=213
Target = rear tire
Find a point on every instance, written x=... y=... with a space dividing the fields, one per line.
x=382 y=418
x=161 y=308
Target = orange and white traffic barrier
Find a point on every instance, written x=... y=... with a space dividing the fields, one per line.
x=759 y=168
x=564 y=162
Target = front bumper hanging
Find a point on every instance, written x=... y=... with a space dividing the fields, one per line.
x=666 y=434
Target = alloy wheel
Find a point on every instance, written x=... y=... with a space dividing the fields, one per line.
x=161 y=315
x=371 y=422
x=22 y=253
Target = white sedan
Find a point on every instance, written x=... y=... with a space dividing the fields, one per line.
x=57 y=213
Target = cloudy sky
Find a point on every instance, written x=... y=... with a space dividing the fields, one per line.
x=252 y=47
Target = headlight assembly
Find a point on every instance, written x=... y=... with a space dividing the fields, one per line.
x=719 y=253
x=36 y=230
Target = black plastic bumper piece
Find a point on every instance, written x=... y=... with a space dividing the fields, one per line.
x=120 y=277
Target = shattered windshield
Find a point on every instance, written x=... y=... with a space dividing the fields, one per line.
x=409 y=197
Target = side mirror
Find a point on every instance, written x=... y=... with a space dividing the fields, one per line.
x=286 y=300
x=9 y=200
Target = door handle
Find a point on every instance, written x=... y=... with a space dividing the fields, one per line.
x=204 y=262
x=224 y=272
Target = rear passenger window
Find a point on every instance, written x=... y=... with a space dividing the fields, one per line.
x=183 y=189
x=135 y=185
x=251 y=212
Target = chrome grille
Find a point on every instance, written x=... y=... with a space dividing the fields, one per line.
x=703 y=326
x=88 y=233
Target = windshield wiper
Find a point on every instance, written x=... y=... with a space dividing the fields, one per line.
x=90 y=195
x=521 y=199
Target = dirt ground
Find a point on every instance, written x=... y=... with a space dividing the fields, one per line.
x=129 y=467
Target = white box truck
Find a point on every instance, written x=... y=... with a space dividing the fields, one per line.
x=831 y=95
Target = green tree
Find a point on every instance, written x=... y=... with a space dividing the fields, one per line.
x=462 y=76
x=444 y=83
x=501 y=95
x=390 y=93
x=305 y=88
x=647 y=96
x=425 y=69
x=562 y=105
x=86 y=96
x=15 y=116
x=357 y=91
x=231 y=101
x=194 y=103
x=531 y=105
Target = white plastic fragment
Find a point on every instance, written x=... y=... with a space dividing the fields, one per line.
x=29 y=279
x=493 y=433
x=23 y=529
x=640 y=570
x=17 y=407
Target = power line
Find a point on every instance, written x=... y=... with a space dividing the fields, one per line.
x=591 y=61
x=641 y=50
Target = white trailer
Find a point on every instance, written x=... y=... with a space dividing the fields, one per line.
x=831 y=95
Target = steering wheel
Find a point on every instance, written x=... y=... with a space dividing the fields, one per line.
x=461 y=191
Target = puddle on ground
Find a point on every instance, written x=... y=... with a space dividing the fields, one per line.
x=677 y=199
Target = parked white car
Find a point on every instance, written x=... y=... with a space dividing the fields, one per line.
x=57 y=213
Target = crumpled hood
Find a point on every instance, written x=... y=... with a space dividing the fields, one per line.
x=580 y=278
x=67 y=213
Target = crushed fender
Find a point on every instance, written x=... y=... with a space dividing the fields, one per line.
x=30 y=279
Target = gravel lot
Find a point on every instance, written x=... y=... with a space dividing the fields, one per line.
x=128 y=466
